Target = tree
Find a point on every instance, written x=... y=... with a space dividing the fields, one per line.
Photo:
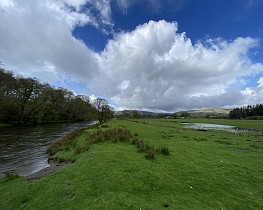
x=26 y=100
x=185 y=114
x=136 y=114
x=29 y=96
x=104 y=110
x=174 y=115
x=245 y=112
x=8 y=110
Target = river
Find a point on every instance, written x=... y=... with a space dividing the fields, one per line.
x=23 y=150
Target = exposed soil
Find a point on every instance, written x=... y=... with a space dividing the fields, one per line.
x=47 y=171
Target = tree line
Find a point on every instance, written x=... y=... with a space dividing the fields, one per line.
x=250 y=111
x=26 y=101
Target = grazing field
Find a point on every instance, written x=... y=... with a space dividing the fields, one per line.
x=201 y=170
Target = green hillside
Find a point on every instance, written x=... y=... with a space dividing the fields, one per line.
x=207 y=113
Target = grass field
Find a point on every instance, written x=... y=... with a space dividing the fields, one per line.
x=204 y=170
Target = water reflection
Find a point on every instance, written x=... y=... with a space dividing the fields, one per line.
x=208 y=126
x=205 y=126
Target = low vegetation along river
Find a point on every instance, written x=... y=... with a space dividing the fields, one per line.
x=23 y=150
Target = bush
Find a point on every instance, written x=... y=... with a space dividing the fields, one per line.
x=104 y=125
x=97 y=136
x=165 y=151
x=150 y=154
x=65 y=142
x=111 y=135
x=80 y=149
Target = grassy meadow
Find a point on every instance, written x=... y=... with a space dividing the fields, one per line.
x=148 y=164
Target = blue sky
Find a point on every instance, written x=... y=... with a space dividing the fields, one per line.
x=198 y=18
x=153 y=55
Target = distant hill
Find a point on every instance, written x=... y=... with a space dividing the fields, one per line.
x=207 y=113
x=142 y=113
x=193 y=113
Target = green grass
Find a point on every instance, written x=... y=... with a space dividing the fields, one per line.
x=204 y=170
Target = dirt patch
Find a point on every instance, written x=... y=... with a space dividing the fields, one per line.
x=47 y=171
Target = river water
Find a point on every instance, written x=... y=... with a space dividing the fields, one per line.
x=23 y=150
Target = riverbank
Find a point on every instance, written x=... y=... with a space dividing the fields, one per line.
x=23 y=149
x=54 y=167
x=204 y=170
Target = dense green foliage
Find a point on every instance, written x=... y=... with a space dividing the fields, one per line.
x=26 y=100
x=205 y=170
x=247 y=112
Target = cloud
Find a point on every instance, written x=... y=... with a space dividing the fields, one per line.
x=254 y=95
x=36 y=37
x=152 y=67
x=155 y=67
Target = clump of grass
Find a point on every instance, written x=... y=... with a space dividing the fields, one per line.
x=150 y=155
x=59 y=159
x=150 y=150
x=97 y=137
x=65 y=142
x=105 y=126
x=164 y=151
x=114 y=135
x=81 y=149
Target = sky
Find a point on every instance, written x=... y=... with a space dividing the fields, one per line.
x=152 y=55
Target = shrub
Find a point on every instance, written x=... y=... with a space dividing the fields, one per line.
x=143 y=147
x=80 y=149
x=111 y=135
x=97 y=136
x=104 y=125
x=65 y=142
x=165 y=151
x=150 y=154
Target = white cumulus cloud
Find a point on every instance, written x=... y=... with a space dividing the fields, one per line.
x=164 y=70
x=36 y=37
